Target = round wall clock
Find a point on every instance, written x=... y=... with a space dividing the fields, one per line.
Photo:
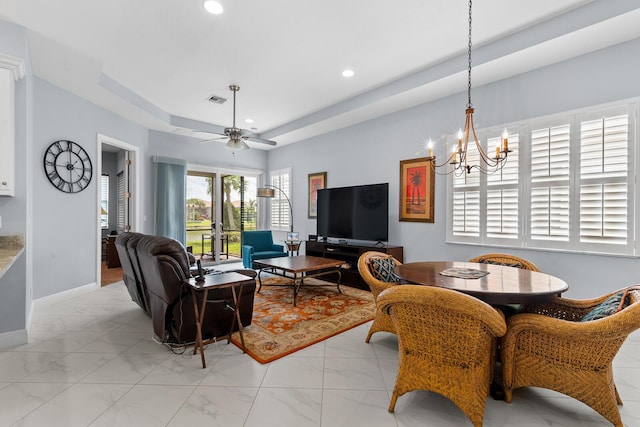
x=68 y=166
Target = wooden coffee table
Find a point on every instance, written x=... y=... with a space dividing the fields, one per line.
x=298 y=268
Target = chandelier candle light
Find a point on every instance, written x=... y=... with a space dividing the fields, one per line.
x=488 y=164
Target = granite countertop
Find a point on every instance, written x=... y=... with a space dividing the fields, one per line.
x=10 y=248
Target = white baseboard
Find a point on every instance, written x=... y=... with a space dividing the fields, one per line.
x=21 y=336
x=64 y=296
x=13 y=338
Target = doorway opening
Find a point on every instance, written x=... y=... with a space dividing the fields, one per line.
x=117 y=205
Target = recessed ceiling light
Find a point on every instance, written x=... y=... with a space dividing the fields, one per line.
x=213 y=7
x=248 y=120
x=347 y=73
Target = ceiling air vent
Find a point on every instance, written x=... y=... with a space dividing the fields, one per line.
x=217 y=99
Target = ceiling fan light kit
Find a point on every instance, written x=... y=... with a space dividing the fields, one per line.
x=237 y=144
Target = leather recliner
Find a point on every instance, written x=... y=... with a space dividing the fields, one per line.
x=126 y=244
x=163 y=269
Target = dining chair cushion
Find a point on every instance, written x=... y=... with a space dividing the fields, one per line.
x=611 y=305
x=382 y=269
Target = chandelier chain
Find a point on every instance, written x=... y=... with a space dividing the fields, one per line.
x=467 y=140
x=469 y=104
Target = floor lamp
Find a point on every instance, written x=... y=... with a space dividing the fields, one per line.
x=268 y=192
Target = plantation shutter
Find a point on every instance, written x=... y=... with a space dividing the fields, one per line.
x=104 y=201
x=120 y=202
x=466 y=213
x=604 y=153
x=280 y=212
x=502 y=193
x=550 y=166
x=466 y=199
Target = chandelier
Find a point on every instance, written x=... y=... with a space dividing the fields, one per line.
x=459 y=158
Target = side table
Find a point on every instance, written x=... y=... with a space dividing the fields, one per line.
x=293 y=246
x=216 y=281
x=224 y=244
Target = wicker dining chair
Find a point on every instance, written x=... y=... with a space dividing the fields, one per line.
x=549 y=346
x=506 y=260
x=446 y=343
x=378 y=281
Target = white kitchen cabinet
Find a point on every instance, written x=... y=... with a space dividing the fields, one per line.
x=11 y=69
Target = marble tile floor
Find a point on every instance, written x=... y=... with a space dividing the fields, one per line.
x=91 y=361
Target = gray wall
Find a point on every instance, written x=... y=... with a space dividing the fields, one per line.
x=370 y=153
x=65 y=235
x=65 y=225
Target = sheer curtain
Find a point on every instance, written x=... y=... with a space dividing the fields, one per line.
x=169 y=178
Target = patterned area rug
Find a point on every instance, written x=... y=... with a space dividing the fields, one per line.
x=278 y=328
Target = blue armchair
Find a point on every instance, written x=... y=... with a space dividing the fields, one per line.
x=259 y=245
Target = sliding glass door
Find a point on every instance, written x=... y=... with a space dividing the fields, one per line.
x=219 y=207
x=201 y=214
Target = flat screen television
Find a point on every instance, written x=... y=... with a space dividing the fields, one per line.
x=356 y=213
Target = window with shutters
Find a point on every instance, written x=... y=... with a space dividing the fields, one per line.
x=280 y=211
x=567 y=185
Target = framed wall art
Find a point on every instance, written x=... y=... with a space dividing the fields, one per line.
x=417 y=183
x=317 y=181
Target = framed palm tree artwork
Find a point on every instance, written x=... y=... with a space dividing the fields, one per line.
x=417 y=183
x=317 y=181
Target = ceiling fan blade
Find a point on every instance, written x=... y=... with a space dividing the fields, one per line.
x=219 y=138
x=260 y=140
x=255 y=138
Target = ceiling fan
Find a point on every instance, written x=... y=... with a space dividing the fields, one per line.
x=236 y=136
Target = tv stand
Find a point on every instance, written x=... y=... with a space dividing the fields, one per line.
x=350 y=254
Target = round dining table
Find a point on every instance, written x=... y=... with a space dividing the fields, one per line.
x=499 y=285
